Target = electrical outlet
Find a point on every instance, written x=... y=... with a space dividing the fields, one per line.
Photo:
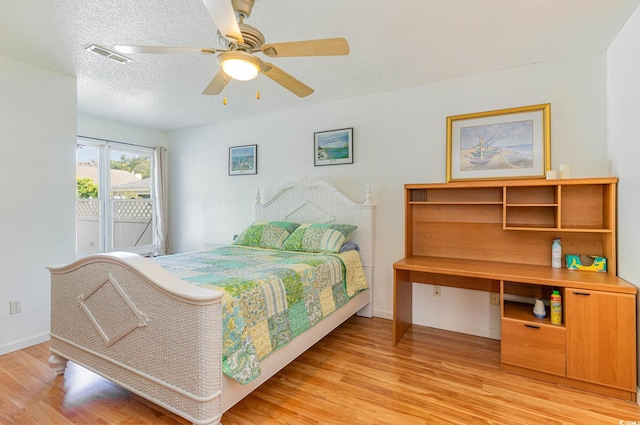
x=15 y=306
x=436 y=291
x=494 y=298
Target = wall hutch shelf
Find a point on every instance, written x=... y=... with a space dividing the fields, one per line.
x=496 y=236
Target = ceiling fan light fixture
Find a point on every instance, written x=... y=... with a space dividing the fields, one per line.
x=240 y=65
x=239 y=69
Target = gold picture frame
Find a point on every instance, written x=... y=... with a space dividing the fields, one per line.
x=512 y=143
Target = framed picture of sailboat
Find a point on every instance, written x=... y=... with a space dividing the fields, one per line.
x=502 y=144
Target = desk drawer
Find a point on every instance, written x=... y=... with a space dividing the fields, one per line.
x=533 y=346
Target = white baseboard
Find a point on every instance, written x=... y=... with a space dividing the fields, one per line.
x=383 y=314
x=24 y=343
x=454 y=327
x=638 y=396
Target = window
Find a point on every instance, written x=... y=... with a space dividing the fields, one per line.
x=115 y=206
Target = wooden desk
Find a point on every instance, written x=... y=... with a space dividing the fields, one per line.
x=608 y=322
x=485 y=276
x=496 y=236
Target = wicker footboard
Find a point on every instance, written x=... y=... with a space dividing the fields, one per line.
x=132 y=322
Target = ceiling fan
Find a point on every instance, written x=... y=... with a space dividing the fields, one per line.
x=241 y=42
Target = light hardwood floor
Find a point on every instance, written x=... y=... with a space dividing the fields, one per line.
x=352 y=376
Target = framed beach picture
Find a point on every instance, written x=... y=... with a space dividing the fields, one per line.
x=333 y=147
x=502 y=144
x=243 y=160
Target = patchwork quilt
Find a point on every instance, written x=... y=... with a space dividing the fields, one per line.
x=270 y=296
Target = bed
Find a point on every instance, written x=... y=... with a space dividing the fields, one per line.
x=134 y=322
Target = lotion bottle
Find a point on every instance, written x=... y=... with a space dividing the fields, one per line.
x=556 y=254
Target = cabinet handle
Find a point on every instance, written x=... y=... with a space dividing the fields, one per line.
x=584 y=294
x=531 y=326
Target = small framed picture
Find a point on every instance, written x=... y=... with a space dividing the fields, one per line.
x=243 y=160
x=333 y=147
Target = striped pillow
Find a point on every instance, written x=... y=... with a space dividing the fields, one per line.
x=319 y=237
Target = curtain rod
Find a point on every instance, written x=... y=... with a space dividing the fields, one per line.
x=120 y=143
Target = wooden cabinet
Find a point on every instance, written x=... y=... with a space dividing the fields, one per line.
x=595 y=345
x=496 y=236
x=599 y=333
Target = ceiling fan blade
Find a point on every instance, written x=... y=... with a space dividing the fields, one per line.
x=322 y=47
x=165 y=50
x=287 y=81
x=225 y=19
x=217 y=84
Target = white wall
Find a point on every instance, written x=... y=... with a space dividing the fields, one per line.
x=38 y=126
x=399 y=137
x=624 y=144
x=116 y=131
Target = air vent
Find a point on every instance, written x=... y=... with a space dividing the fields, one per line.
x=107 y=54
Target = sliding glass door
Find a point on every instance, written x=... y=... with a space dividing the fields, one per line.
x=114 y=208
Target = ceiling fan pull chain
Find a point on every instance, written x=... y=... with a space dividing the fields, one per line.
x=258 y=87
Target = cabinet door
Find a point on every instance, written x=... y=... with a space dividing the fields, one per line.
x=601 y=335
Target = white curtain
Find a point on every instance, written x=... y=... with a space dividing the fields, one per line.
x=159 y=190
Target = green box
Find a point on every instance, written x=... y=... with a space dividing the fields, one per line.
x=586 y=262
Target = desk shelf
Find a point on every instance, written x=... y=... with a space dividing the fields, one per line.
x=579 y=211
x=523 y=312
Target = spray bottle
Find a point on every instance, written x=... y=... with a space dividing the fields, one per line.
x=556 y=308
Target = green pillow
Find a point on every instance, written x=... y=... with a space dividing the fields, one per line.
x=319 y=237
x=266 y=234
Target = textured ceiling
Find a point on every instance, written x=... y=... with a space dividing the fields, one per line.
x=394 y=44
